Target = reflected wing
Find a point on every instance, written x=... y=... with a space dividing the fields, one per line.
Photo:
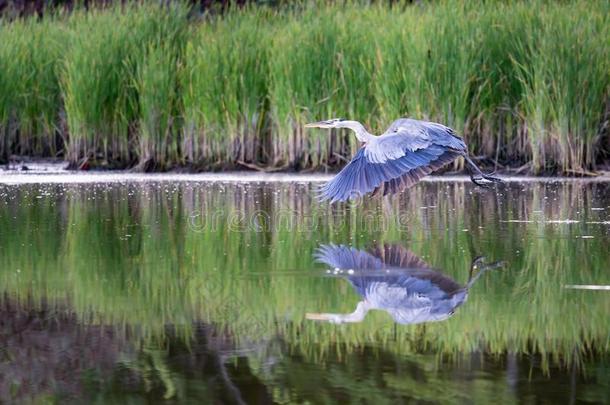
x=345 y=258
x=397 y=256
x=362 y=176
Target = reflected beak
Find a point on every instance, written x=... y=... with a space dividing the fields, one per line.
x=317 y=317
x=319 y=124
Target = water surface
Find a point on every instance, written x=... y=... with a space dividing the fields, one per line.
x=204 y=291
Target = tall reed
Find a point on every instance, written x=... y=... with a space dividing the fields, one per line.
x=98 y=94
x=566 y=86
x=30 y=98
x=225 y=82
x=320 y=68
x=103 y=83
x=155 y=81
x=157 y=86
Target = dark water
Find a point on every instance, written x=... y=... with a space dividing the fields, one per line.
x=211 y=292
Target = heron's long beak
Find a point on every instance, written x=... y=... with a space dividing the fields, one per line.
x=319 y=124
x=354 y=317
x=357 y=316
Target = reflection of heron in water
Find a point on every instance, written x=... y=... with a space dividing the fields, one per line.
x=393 y=279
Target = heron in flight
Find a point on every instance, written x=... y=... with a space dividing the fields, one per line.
x=397 y=159
x=393 y=279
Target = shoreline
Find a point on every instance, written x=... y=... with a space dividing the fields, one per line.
x=41 y=171
x=81 y=177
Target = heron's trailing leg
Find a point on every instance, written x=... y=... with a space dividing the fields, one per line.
x=477 y=176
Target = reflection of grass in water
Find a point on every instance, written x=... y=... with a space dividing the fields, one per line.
x=130 y=257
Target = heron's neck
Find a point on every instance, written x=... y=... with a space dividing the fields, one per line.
x=361 y=133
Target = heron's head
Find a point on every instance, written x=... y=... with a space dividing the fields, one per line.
x=358 y=128
x=332 y=123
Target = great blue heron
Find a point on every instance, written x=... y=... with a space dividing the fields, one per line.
x=397 y=159
x=393 y=279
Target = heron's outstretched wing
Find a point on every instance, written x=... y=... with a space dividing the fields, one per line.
x=346 y=258
x=362 y=176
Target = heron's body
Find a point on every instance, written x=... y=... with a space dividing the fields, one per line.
x=411 y=295
x=397 y=159
x=394 y=280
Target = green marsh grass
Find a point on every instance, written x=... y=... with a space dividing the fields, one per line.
x=225 y=80
x=96 y=84
x=30 y=53
x=526 y=83
x=109 y=71
x=157 y=88
x=320 y=67
x=158 y=92
x=563 y=100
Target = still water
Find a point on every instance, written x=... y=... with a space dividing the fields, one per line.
x=256 y=293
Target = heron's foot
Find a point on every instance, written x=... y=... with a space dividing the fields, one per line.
x=478 y=261
x=484 y=180
x=496 y=265
x=492 y=178
x=479 y=266
x=480 y=181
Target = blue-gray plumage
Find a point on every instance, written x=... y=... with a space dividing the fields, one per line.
x=397 y=159
x=393 y=279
